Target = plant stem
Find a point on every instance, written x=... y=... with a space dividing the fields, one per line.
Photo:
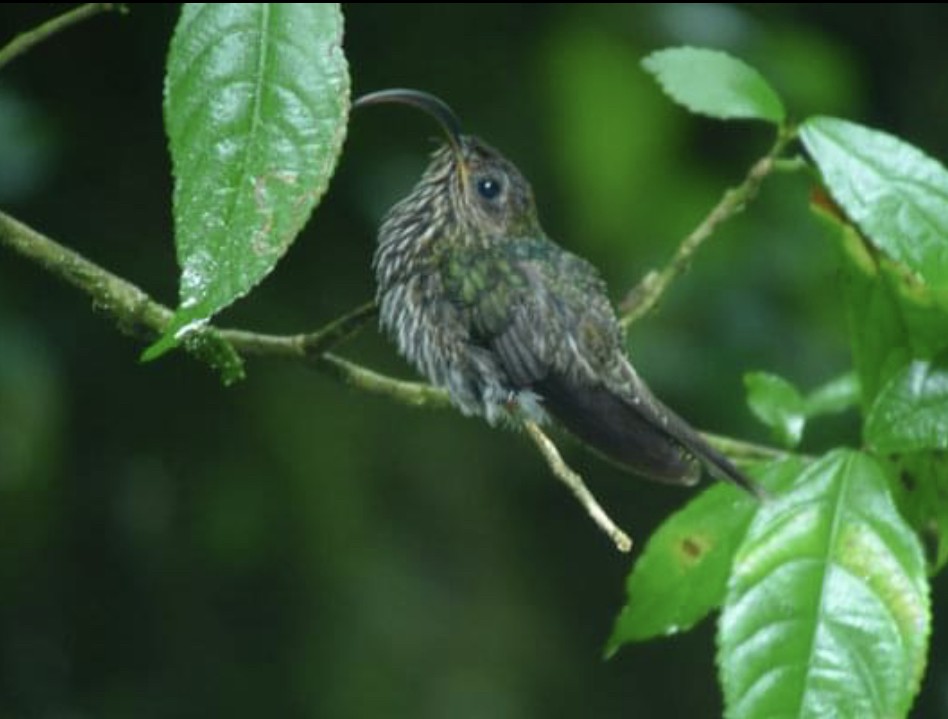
x=643 y=298
x=25 y=41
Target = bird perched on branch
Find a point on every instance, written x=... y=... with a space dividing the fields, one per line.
x=487 y=307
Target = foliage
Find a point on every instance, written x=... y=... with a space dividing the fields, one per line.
x=827 y=607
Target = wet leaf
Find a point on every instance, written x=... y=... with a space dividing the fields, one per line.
x=256 y=100
x=827 y=610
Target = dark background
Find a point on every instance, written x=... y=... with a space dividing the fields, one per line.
x=290 y=547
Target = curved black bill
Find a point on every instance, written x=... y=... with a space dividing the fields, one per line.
x=434 y=106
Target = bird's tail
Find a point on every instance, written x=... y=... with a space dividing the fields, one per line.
x=638 y=432
x=717 y=464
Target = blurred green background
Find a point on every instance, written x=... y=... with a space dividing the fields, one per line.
x=289 y=547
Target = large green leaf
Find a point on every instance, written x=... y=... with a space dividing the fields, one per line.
x=911 y=411
x=827 y=611
x=682 y=574
x=256 y=99
x=895 y=193
x=711 y=82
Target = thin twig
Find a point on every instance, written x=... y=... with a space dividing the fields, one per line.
x=571 y=479
x=642 y=298
x=742 y=452
x=310 y=346
x=30 y=38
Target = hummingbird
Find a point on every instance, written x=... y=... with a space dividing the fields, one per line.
x=510 y=324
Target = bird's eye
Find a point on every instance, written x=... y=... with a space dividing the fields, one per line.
x=488 y=187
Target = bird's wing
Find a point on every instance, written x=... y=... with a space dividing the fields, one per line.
x=545 y=315
x=538 y=308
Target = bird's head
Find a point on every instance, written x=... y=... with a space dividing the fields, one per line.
x=468 y=182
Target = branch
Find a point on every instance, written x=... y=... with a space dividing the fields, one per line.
x=138 y=315
x=642 y=298
x=25 y=41
x=134 y=311
x=416 y=394
x=307 y=347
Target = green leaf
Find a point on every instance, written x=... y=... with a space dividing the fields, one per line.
x=712 y=83
x=827 y=611
x=837 y=395
x=778 y=404
x=682 y=574
x=256 y=100
x=911 y=411
x=896 y=194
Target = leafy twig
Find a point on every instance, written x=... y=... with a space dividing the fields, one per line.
x=28 y=39
x=642 y=298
